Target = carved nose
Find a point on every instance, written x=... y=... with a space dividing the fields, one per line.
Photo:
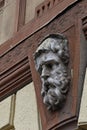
x=45 y=73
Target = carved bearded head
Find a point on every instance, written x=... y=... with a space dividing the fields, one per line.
x=51 y=61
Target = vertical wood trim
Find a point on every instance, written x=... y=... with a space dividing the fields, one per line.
x=21 y=18
x=16 y=16
x=12 y=109
x=20 y=14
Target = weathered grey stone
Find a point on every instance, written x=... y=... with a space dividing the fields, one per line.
x=51 y=61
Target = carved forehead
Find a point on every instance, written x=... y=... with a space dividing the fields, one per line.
x=50 y=39
x=47 y=44
x=50 y=44
x=56 y=43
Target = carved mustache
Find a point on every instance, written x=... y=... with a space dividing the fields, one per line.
x=61 y=84
x=54 y=91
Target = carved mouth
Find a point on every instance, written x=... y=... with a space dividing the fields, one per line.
x=49 y=85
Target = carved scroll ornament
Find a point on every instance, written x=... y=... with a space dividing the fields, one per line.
x=51 y=61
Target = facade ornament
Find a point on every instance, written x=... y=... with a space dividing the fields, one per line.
x=52 y=62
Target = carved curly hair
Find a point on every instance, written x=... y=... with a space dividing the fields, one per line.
x=56 y=43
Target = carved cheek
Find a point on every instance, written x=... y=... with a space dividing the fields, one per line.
x=54 y=69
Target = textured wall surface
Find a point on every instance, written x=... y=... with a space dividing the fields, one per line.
x=4 y=111
x=30 y=9
x=26 y=115
x=83 y=109
x=1 y=16
x=8 y=14
x=7 y=20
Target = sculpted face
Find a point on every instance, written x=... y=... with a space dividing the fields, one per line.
x=54 y=76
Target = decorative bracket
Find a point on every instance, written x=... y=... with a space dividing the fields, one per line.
x=52 y=59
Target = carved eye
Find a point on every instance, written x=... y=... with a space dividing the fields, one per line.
x=57 y=63
x=49 y=66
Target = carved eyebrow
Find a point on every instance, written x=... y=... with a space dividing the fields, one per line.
x=47 y=62
x=50 y=61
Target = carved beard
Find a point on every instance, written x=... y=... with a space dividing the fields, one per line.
x=54 y=90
